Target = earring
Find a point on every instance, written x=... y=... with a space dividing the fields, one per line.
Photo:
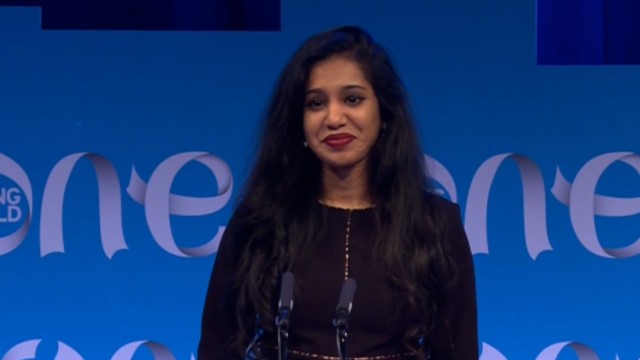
x=305 y=144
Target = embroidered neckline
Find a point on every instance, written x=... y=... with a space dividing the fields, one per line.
x=346 y=208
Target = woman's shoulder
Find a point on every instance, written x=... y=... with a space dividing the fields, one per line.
x=447 y=213
x=441 y=205
x=235 y=232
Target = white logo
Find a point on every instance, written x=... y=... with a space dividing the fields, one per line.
x=51 y=239
x=27 y=350
x=10 y=199
x=160 y=204
x=552 y=352
x=583 y=202
x=13 y=171
x=156 y=197
x=580 y=197
x=535 y=221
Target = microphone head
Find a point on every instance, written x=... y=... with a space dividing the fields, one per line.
x=286 y=291
x=346 y=296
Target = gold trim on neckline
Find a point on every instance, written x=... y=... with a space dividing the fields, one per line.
x=346 y=208
x=331 y=357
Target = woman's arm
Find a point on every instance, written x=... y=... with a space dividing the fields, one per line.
x=219 y=322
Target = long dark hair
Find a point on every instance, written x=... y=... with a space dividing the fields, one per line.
x=277 y=217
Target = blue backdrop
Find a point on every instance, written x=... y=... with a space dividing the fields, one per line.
x=120 y=152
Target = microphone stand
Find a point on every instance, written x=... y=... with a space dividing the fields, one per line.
x=284 y=311
x=282 y=322
x=341 y=324
x=342 y=313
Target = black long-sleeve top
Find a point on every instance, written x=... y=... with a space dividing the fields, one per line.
x=318 y=286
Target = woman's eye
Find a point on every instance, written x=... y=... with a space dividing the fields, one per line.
x=314 y=103
x=353 y=99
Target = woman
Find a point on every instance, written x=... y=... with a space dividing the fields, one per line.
x=339 y=190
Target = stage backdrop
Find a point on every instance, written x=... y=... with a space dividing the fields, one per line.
x=121 y=152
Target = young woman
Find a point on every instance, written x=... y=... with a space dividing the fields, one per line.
x=339 y=190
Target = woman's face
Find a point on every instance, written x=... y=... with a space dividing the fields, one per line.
x=341 y=116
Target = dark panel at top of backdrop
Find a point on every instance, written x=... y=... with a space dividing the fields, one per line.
x=588 y=32
x=198 y=15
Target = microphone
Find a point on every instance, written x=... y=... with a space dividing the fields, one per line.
x=342 y=313
x=285 y=305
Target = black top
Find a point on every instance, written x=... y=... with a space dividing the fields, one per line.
x=318 y=288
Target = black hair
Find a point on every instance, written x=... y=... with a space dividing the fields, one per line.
x=277 y=213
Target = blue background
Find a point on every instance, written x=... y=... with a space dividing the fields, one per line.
x=137 y=98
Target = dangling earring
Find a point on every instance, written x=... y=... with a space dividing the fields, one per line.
x=384 y=127
x=305 y=144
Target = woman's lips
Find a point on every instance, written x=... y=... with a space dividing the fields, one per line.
x=338 y=140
